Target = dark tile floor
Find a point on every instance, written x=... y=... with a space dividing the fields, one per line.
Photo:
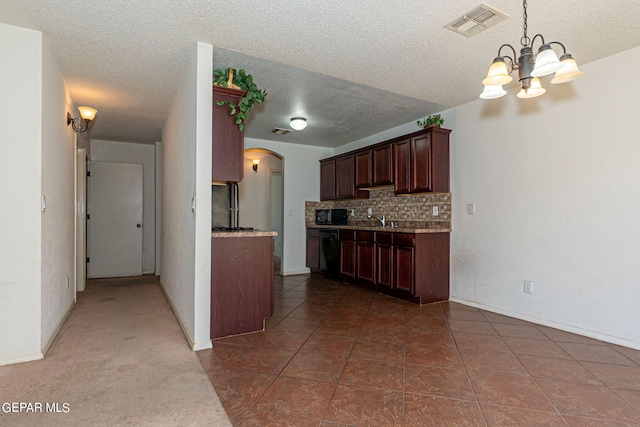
x=337 y=355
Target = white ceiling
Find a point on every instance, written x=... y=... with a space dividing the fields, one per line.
x=352 y=68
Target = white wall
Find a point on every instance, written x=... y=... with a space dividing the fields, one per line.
x=204 y=135
x=144 y=154
x=254 y=189
x=58 y=186
x=20 y=191
x=556 y=184
x=186 y=174
x=301 y=183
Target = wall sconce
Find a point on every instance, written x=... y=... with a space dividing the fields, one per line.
x=81 y=124
x=298 y=123
x=255 y=162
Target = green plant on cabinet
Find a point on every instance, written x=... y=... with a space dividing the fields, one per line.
x=432 y=120
x=239 y=80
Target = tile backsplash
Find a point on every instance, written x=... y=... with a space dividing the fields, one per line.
x=412 y=210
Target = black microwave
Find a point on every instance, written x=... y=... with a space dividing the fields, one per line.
x=331 y=216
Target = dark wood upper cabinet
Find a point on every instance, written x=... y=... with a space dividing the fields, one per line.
x=382 y=161
x=227 y=157
x=440 y=160
x=345 y=182
x=414 y=163
x=363 y=169
x=327 y=180
x=421 y=160
x=402 y=166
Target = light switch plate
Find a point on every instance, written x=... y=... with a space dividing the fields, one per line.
x=471 y=209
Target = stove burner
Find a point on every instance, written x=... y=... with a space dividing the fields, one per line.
x=231 y=228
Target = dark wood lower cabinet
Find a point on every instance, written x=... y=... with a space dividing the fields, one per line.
x=348 y=258
x=313 y=249
x=384 y=265
x=414 y=267
x=241 y=284
x=403 y=272
x=365 y=256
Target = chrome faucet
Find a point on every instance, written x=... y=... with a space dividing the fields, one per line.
x=382 y=220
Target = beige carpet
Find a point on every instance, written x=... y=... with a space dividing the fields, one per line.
x=120 y=360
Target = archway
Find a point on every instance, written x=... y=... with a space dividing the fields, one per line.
x=262 y=196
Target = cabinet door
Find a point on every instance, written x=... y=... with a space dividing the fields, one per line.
x=313 y=253
x=348 y=258
x=365 y=261
x=227 y=157
x=402 y=163
x=421 y=164
x=328 y=180
x=384 y=265
x=345 y=181
x=363 y=169
x=382 y=165
x=403 y=268
x=440 y=161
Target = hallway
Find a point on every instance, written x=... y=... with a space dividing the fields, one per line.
x=335 y=354
x=119 y=359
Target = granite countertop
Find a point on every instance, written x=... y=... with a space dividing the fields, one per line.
x=418 y=229
x=242 y=233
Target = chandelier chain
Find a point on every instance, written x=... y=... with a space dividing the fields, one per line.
x=524 y=41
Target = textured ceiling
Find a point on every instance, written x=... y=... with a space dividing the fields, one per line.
x=352 y=68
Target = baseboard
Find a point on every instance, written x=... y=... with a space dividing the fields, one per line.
x=57 y=330
x=293 y=273
x=195 y=346
x=29 y=357
x=202 y=345
x=551 y=324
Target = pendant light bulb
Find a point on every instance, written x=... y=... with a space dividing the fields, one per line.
x=546 y=62
x=493 y=92
x=498 y=74
x=533 y=91
x=298 y=123
x=569 y=70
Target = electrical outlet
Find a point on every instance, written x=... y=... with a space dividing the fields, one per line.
x=528 y=287
x=434 y=211
x=353 y=212
x=471 y=209
x=369 y=211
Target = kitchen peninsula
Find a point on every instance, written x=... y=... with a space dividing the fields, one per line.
x=241 y=281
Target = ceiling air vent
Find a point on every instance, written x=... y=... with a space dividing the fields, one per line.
x=280 y=131
x=476 y=20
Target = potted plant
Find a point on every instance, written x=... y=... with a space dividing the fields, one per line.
x=242 y=81
x=434 y=120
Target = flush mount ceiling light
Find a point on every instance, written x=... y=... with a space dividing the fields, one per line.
x=529 y=68
x=298 y=123
x=81 y=124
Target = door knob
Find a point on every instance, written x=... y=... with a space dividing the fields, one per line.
x=138 y=225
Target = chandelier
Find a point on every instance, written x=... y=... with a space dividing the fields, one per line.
x=529 y=68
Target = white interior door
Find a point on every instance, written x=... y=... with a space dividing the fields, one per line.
x=115 y=220
x=81 y=219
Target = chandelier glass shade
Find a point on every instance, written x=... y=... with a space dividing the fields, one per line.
x=529 y=68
